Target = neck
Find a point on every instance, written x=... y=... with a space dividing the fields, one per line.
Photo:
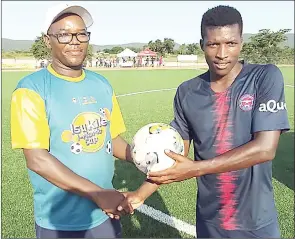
x=61 y=69
x=221 y=83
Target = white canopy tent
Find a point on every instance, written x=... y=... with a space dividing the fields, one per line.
x=127 y=53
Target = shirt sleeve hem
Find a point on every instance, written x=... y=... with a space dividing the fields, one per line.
x=275 y=128
x=116 y=134
x=29 y=146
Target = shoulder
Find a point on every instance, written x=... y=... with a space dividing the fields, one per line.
x=192 y=84
x=264 y=68
x=271 y=71
x=96 y=77
x=264 y=72
x=271 y=76
x=34 y=82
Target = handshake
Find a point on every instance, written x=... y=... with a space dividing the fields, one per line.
x=115 y=203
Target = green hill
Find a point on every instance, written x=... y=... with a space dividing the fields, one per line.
x=9 y=44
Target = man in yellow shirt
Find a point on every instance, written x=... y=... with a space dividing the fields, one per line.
x=68 y=123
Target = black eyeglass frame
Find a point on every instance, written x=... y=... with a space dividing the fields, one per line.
x=56 y=35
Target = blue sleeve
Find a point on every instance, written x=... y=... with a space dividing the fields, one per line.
x=270 y=112
x=180 y=122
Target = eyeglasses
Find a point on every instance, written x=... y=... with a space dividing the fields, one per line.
x=66 y=38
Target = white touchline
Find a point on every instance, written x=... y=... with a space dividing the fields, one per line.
x=169 y=220
x=146 y=91
x=159 y=90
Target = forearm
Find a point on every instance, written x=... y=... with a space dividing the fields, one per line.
x=147 y=189
x=50 y=168
x=121 y=149
x=242 y=157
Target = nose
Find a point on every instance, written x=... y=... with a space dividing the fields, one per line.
x=75 y=40
x=222 y=52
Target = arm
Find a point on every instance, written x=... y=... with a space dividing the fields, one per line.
x=47 y=166
x=121 y=149
x=261 y=149
x=267 y=125
x=138 y=197
x=180 y=124
x=30 y=132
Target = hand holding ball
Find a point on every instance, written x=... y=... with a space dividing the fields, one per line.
x=149 y=143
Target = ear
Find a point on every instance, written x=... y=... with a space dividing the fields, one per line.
x=202 y=44
x=47 y=41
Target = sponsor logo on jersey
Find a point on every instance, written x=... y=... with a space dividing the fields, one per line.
x=246 y=102
x=88 y=132
x=272 y=106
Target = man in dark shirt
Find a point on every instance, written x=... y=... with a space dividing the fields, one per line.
x=234 y=114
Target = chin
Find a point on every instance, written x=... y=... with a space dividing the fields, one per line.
x=219 y=72
x=222 y=72
x=75 y=62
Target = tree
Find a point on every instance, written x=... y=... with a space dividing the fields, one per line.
x=116 y=49
x=157 y=46
x=152 y=45
x=182 y=49
x=39 y=49
x=89 y=54
x=107 y=51
x=168 y=45
x=265 y=47
x=135 y=49
x=194 y=49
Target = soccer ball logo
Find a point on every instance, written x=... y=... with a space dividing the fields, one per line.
x=76 y=148
x=109 y=147
x=101 y=110
x=149 y=143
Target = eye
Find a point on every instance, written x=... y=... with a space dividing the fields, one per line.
x=148 y=162
x=64 y=34
x=83 y=34
x=231 y=43
x=212 y=44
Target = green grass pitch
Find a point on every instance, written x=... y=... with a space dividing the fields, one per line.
x=138 y=110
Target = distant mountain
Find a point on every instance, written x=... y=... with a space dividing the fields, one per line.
x=8 y=44
x=127 y=45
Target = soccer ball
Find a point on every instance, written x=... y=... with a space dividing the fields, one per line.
x=76 y=148
x=101 y=110
x=149 y=143
x=109 y=147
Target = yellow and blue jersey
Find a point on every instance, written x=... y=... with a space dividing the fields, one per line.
x=75 y=119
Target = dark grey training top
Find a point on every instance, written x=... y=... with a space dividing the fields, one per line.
x=219 y=122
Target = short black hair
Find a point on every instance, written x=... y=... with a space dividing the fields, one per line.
x=221 y=16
